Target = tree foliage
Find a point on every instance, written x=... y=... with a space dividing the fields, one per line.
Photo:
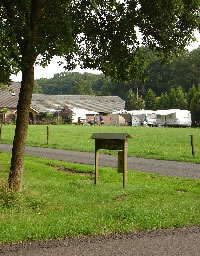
x=90 y=32
x=37 y=89
x=133 y=101
x=181 y=98
x=65 y=113
x=195 y=107
x=163 y=102
x=190 y=96
x=150 y=100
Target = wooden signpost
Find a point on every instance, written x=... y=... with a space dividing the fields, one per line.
x=112 y=141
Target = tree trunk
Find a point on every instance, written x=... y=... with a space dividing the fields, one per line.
x=28 y=52
x=17 y=161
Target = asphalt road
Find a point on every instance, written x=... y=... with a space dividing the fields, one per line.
x=170 y=168
x=177 y=242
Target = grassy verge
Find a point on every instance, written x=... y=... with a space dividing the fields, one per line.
x=57 y=202
x=156 y=143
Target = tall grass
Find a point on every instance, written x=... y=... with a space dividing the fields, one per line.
x=158 y=143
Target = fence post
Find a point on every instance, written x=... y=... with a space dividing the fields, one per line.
x=192 y=145
x=47 y=135
x=0 y=130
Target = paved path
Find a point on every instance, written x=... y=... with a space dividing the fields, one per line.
x=170 y=168
x=179 y=242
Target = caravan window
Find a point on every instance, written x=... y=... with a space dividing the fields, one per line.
x=151 y=115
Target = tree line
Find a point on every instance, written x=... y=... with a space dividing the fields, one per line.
x=159 y=76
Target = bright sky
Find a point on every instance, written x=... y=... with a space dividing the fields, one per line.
x=54 y=68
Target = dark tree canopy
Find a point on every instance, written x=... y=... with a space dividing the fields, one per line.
x=97 y=34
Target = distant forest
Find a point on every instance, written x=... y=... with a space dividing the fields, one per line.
x=160 y=77
x=161 y=85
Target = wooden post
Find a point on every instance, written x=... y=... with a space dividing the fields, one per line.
x=192 y=144
x=47 y=135
x=96 y=165
x=125 y=151
x=120 y=161
x=0 y=130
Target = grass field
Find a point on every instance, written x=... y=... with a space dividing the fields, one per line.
x=56 y=204
x=157 y=143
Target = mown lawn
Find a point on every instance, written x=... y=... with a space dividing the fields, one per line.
x=157 y=143
x=56 y=203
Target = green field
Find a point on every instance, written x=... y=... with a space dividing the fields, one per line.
x=157 y=143
x=56 y=203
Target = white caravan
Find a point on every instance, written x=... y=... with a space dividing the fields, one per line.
x=170 y=117
x=139 y=116
x=173 y=117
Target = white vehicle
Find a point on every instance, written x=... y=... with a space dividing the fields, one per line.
x=173 y=117
x=141 y=116
x=170 y=117
x=151 y=119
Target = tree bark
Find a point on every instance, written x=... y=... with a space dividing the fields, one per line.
x=29 y=54
x=17 y=161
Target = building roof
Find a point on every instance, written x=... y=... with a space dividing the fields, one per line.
x=106 y=104
x=9 y=97
x=48 y=103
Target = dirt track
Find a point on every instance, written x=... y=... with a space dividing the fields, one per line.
x=183 y=242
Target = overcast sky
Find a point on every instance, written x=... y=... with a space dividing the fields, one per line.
x=54 y=68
